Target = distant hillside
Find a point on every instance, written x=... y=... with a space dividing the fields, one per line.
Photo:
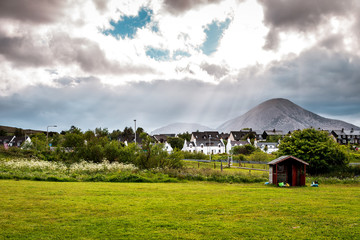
x=284 y=115
x=180 y=128
x=11 y=130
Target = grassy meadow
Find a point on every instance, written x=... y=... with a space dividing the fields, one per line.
x=187 y=210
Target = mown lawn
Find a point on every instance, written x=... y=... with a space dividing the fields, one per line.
x=193 y=210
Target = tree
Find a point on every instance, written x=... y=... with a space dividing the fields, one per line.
x=154 y=156
x=246 y=149
x=127 y=134
x=176 y=142
x=89 y=136
x=315 y=147
x=74 y=129
x=266 y=148
x=185 y=135
x=56 y=139
x=101 y=132
x=38 y=141
x=139 y=130
x=2 y=132
x=73 y=140
x=115 y=134
x=19 y=132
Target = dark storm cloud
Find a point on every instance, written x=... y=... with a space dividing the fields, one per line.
x=299 y=15
x=322 y=81
x=178 y=7
x=87 y=103
x=62 y=49
x=39 y=11
x=333 y=42
x=23 y=51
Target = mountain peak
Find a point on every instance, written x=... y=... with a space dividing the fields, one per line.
x=282 y=114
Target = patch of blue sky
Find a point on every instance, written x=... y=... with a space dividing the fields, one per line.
x=180 y=53
x=155 y=27
x=214 y=32
x=158 y=54
x=127 y=26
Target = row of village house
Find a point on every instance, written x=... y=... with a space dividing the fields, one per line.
x=214 y=142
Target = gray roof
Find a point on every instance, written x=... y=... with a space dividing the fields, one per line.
x=162 y=137
x=347 y=132
x=239 y=142
x=205 y=135
x=274 y=132
x=283 y=158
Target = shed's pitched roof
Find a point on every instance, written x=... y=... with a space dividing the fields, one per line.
x=283 y=158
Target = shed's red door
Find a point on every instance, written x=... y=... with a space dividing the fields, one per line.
x=294 y=175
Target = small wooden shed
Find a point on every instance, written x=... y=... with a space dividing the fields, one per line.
x=287 y=169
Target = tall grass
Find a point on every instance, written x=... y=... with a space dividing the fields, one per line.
x=105 y=171
x=113 y=172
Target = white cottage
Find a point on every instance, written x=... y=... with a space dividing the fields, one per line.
x=205 y=142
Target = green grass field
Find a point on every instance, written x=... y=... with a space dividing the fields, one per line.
x=193 y=210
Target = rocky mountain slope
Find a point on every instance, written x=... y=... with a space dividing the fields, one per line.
x=284 y=115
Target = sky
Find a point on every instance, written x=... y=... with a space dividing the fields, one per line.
x=105 y=63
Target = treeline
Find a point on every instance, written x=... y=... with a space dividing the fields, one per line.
x=95 y=146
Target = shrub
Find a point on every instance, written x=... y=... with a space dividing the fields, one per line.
x=246 y=149
x=195 y=155
x=316 y=148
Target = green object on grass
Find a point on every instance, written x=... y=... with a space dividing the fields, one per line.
x=281 y=184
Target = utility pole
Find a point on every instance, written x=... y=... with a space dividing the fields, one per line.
x=135 y=131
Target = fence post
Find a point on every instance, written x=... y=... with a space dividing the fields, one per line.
x=198 y=164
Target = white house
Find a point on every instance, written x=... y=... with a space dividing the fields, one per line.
x=14 y=141
x=162 y=138
x=267 y=147
x=205 y=142
x=167 y=147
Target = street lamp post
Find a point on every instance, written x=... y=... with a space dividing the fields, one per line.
x=47 y=133
x=135 y=131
